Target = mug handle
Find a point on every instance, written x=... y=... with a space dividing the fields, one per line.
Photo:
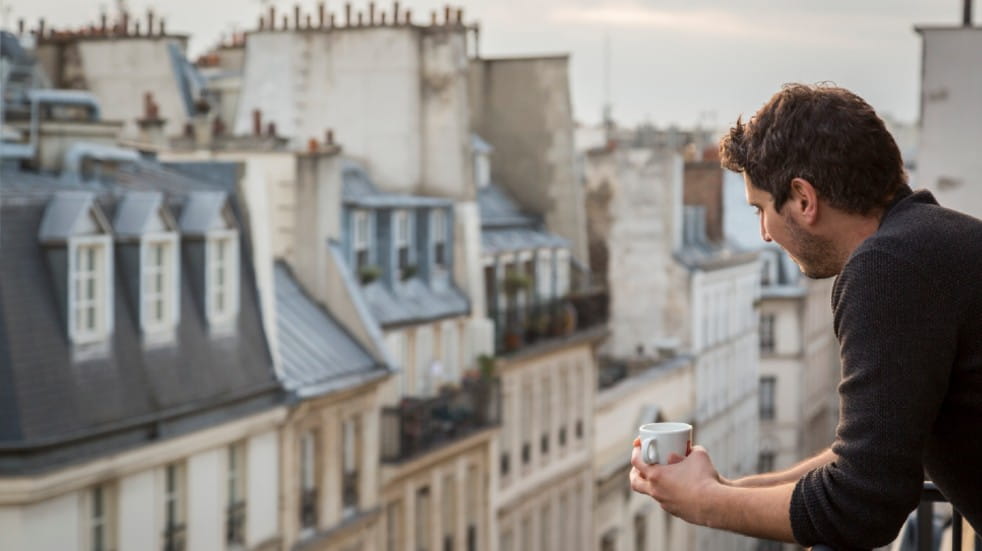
x=649 y=451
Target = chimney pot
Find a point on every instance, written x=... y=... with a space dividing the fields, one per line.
x=460 y=16
x=163 y=27
x=967 y=13
x=359 y=19
x=409 y=16
x=446 y=14
x=382 y=18
x=312 y=145
x=218 y=127
x=371 y=13
x=20 y=27
x=41 y=28
x=286 y=23
x=262 y=23
x=347 y=14
x=188 y=130
x=272 y=18
x=149 y=22
x=331 y=21
x=124 y=23
x=433 y=18
x=257 y=122
x=320 y=15
x=102 y=25
x=310 y=24
x=329 y=137
x=271 y=129
x=136 y=28
x=296 y=16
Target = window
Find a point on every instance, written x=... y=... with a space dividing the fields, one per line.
x=543 y=274
x=564 y=404
x=90 y=296
x=101 y=516
x=308 y=481
x=440 y=239
x=562 y=272
x=222 y=277
x=767 y=333
x=174 y=508
x=235 y=512
x=475 y=499
x=528 y=414
x=350 y=459
x=402 y=240
x=361 y=240
x=393 y=526
x=159 y=283
x=545 y=527
x=765 y=462
x=449 y=516
x=490 y=282
x=423 y=518
x=767 y=387
x=545 y=399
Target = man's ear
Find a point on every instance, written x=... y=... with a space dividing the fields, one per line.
x=804 y=200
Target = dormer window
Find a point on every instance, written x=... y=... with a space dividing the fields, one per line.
x=440 y=239
x=208 y=220
x=361 y=239
x=79 y=244
x=148 y=249
x=402 y=240
x=89 y=299
x=221 y=283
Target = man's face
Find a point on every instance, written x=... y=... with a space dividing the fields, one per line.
x=814 y=255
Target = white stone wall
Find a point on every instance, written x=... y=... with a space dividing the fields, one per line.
x=120 y=71
x=644 y=303
x=139 y=511
x=262 y=488
x=206 y=475
x=951 y=117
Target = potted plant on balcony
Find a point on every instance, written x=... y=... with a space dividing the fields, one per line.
x=564 y=320
x=408 y=272
x=368 y=273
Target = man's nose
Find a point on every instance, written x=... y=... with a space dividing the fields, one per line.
x=763 y=232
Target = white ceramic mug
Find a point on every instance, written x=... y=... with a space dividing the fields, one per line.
x=660 y=440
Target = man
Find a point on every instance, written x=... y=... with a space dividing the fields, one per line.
x=828 y=184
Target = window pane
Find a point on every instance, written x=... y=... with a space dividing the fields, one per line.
x=90 y=318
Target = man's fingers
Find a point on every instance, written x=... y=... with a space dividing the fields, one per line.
x=674 y=458
x=637 y=443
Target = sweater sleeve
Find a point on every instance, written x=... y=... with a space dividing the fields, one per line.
x=897 y=334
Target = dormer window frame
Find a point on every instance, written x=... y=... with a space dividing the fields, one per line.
x=100 y=272
x=402 y=239
x=167 y=297
x=227 y=311
x=361 y=239
x=440 y=240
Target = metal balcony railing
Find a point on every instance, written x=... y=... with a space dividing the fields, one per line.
x=174 y=537
x=419 y=425
x=925 y=532
x=235 y=517
x=349 y=491
x=517 y=327
x=308 y=508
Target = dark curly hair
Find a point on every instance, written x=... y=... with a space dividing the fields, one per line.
x=824 y=134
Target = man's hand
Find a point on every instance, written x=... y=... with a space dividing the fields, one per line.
x=684 y=487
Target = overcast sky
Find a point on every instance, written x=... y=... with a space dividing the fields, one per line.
x=672 y=61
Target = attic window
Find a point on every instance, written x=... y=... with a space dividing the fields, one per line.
x=440 y=238
x=158 y=285
x=361 y=239
x=221 y=283
x=89 y=291
x=402 y=239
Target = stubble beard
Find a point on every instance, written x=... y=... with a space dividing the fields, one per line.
x=815 y=256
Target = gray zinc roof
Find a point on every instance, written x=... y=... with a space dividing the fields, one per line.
x=67 y=214
x=313 y=349
x=498 y=209
x=359 y=191
x=415 y=302
x=202 y=212
x=139 y=213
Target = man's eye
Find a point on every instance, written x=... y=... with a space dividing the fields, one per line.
x=757 y=211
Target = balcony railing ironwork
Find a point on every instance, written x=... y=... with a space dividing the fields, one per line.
x=925 y=532
x=235 y=517
x=308 y=508
x=349 y=491
x=418 y=425
x=174 y=537
x=519 y=326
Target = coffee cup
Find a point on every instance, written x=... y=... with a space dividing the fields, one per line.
x=660 y=440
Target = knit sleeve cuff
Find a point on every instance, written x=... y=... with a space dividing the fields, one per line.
x=802 y=526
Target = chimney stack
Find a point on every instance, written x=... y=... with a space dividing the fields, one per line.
x=286 y=23
x=136 y=27
x=257 y=122
x=347 y=14
x=395 y=13
x=151 y=125
x=460 y=16
x=296 y=16
x=371 y=13
x=102 y=25
x=163 y=27
x=271 y=129
x=382 y=19
x=329 y=137
x=312 y=145
x=409 y=16
x=359 y=19
x=446 y=14
x=150 y=22
x=41 y=28
x=331 y=23
x=433 y=20
x=124 y=22
x=272 y=17
x=967 y=13
x=320 y=15
x=262 y=23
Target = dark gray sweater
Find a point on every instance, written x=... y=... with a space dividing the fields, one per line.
x=908 y=318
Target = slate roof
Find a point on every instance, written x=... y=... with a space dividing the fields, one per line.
x=505 y=228
x=359 y=191
x=61 y=404
x=413 y=301
x=315 y=352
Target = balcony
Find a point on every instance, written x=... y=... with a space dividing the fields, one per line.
x=349 y=492
x=518 y=327
x=235 y=517
x=308 y=508
x=418 y=425
x=924 y=529
x=174 y=537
